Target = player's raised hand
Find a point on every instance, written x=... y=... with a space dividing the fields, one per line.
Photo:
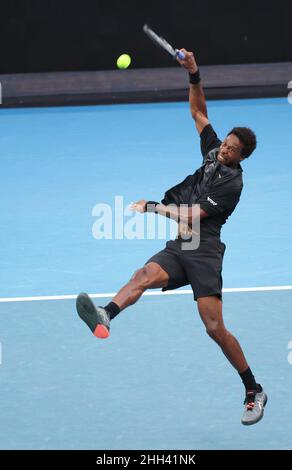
x=189 y=62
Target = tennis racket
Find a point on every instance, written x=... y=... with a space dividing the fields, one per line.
x=160 y=41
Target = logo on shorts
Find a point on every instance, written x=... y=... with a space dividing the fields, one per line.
x=211 y=200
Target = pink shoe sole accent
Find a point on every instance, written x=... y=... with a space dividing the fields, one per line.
x=101 y=332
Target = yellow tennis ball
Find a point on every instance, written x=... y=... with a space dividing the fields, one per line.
x=123 y=61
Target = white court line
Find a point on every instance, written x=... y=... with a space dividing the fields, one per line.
x=112 y=294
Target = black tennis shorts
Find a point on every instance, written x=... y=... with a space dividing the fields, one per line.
x=201 y=268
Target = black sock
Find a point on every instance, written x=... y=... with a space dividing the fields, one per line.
x=249 y=381
x=112 y=309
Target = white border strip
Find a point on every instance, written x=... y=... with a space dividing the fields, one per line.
x=112 y=294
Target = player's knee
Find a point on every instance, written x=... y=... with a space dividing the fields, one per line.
x=143 y=277
x=216 y=331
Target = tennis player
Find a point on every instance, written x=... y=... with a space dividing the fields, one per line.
x=216 y=186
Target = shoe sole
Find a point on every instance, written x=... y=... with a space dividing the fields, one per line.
x=259 y=418
x=89 y=314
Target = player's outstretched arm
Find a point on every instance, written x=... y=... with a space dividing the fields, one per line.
x=186 y=215
x=196 y=94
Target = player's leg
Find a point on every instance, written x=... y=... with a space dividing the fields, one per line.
x=162 y=270
x=98 y=318
x=150 y=276
x=210 y=309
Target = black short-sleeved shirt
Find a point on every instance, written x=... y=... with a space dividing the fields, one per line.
x=220 y=185
x=214 y=186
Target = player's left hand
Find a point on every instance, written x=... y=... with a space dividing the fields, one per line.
x=139 y=206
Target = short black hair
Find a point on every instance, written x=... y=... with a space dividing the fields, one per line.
x=248 y=139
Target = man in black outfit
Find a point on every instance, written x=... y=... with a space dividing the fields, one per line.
x=216 y=187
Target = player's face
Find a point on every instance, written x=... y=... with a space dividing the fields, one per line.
x=230 y=151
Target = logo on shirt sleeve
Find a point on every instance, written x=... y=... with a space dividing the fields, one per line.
x=212 y=202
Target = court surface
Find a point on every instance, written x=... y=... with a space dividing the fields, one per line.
x=159 y=382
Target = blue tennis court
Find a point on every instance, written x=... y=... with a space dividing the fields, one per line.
x=158 y=382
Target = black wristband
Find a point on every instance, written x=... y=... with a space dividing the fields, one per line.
x=151 y=205
x=195 y=78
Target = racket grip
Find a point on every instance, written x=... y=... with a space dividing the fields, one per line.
x=180 y=54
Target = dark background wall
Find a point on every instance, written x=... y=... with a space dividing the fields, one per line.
x=52 y=35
